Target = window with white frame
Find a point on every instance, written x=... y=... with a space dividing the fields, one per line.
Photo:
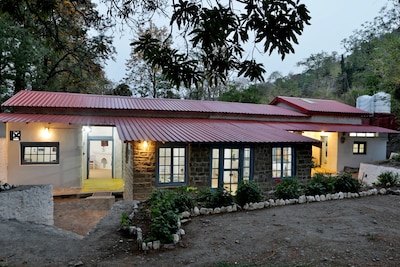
x=40 y=153
x=230 y=166
x=359 y=147
x=282 y=162
x=171 y=165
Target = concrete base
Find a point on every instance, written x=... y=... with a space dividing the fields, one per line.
x=369 y=173
x=100 y=201
x=28 y=203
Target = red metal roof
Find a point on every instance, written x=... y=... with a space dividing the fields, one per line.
x=329 y=127
x=311 y=105
x=42 y=99
x=174 y=129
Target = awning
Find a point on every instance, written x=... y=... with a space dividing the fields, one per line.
x=198 y=130
x=330 y=127
x=174 y=129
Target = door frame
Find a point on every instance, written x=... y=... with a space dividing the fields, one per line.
x=99 y=138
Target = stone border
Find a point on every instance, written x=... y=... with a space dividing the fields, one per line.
x=185 y=216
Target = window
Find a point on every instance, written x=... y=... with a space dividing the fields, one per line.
x=363 y=134
x=360 y=148
x=171 y=166
x=230 y=166
x=40 y=153
x=282 y=162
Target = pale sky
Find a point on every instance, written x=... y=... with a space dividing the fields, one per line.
x=331 y=22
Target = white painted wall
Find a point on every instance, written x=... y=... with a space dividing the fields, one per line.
x=66 y=174
x=3 y=153
x=376 y=150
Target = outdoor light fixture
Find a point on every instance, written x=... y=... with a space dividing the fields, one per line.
x=323 y=133
x=46 y=133
x=86 y=129
x=145 y=144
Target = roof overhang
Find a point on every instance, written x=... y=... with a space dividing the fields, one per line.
x=174 y=129
x=331 y=127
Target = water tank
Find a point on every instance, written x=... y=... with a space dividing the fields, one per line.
x=365 y=102
x=381 y=102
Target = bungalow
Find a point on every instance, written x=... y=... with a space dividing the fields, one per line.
x=63 y=139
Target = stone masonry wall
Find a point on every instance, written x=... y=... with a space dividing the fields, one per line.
x=127 y=171
x=144 y=169
x=140 y=167
x=199 y=166
x=262 y=173
x=28 y=203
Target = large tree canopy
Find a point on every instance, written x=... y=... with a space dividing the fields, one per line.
x=54 y=47
x=221 y=33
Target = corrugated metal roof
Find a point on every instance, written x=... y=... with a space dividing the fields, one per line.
x=41 y=99
x=318 y=105
x=329 y=127
x=174 y=130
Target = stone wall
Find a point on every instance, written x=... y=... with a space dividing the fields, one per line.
x=127 y=171
x=262 y=173
x=28 y=203
x=144 y=169
x=140 y=167
x=199 y=165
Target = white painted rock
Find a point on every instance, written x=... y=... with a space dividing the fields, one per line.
x=302 y=199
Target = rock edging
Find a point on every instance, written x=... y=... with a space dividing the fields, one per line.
x=196 y=211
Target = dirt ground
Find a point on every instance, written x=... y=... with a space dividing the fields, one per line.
x=351 y=232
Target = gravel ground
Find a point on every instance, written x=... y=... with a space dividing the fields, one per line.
x=350 y=232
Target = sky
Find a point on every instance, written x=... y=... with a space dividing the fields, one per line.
x=331 y=22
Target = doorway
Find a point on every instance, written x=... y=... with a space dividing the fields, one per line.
x=100 y=158
x=100 y=150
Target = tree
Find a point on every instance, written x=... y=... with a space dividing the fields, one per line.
x=219 y=33
x=148 y=80
x=70 y=58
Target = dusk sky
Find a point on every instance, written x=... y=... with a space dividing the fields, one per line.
x=331 y=22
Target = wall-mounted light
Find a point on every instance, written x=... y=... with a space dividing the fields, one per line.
x=46 y=133
x=145 y=144
x=86 y=129
x=323 y=133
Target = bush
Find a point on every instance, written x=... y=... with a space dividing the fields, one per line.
x=164 y=215
x=346 y=183
x=288 y=188
x=388 y=179
x=183 y=199
x=248 y=192
x=213 y=198
x=320 y=184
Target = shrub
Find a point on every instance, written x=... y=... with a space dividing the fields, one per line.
x=213 y=198
x=183 y=199
x=248 y=192
x=388 y=179
x=288 y=188
x=164 y=215
x=320 y=184
x=346 y=183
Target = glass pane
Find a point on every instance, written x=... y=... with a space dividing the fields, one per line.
x=361 y=150
x=215 y=153
x=355 y=148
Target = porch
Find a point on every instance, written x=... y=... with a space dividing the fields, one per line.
x=99 y=181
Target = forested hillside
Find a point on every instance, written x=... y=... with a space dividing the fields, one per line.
x=370 y=65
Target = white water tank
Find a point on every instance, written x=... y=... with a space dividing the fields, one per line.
x=381 y=102
x=365 y=102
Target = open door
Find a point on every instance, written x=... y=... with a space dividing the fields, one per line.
x=100 y=158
